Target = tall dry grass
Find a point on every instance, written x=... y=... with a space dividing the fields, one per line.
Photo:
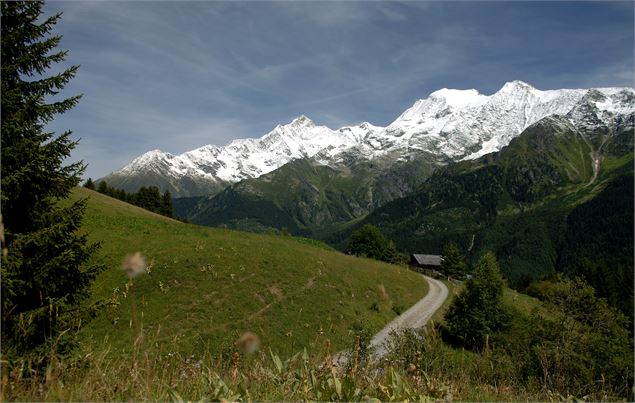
x=420 y=367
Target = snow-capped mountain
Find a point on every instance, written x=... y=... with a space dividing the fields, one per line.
x=449 y=125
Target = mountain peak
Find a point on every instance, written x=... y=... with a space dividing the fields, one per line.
x=368 y=126
x=302 y=120
x=153 y=152
x=150 y=155
x=145 y=159
x=516 y=85
x=447 y=125
x=459 y=98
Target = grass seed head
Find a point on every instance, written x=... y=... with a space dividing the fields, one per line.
x=381 y=292
x=248 y=342
x=134 y=264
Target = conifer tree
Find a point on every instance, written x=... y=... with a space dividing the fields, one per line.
x=368 y=241
x=476 y=313
x=453 y=263
x=167 y=209
x=44 y=273
x=89 y=184
x=103 y=188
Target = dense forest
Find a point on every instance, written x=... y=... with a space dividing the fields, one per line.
x=149 y=198
x=598 y=243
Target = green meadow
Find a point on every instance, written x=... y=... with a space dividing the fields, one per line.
x=206 y=286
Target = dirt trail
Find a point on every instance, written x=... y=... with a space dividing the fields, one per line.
x=415 y=317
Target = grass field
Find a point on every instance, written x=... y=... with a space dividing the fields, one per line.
x=169 y=335
x=206 y=286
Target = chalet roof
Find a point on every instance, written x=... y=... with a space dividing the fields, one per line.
x=427 y=260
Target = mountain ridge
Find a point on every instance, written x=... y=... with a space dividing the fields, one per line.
x=449 y=125
x=558 y=152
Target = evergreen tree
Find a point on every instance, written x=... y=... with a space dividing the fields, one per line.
x=149 y=198
x=368 y=241
x=154 y=199
x=476 y=313
x=391 y=254
x=44 y=273
x=103 y=188
x=453 y=262
x=167 y=209
x=120 y=194
x=89 y=184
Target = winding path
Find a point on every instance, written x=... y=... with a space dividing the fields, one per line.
x=415 y=317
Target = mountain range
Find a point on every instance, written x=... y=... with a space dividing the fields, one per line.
x=311 y=198
x=544 y=179
x=449 y=125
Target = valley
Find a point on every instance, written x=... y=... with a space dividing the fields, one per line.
x=514 y=201
x=175 y=227
x=513 y=195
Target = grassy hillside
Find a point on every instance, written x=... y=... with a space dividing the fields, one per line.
x=207 y=285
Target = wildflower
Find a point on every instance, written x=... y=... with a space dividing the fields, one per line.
x=248 y=342
x=134 y=264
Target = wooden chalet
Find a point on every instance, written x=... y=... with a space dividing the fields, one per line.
x=428 y=264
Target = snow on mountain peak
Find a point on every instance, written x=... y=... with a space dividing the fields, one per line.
x=153 y=153
x=516 y=85
x=450 y=124
x=149 y=156
x=459 y=98
x=302 y=121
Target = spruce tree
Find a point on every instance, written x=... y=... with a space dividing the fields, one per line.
x=453 y=263
x=166 y=205
x=476 y=313
x=103 y=188
x=89 y=184
x=44 y=272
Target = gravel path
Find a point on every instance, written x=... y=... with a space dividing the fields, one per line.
x=415 y=317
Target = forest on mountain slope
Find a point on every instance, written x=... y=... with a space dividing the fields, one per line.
x=536 y=204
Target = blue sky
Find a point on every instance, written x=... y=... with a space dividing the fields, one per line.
x=179 y=75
